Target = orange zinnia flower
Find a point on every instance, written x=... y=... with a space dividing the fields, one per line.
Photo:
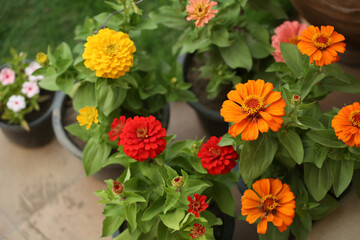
x=321 y=45
x=200 y=11
x=272 y=201
x=347 y=125
x=253 y=107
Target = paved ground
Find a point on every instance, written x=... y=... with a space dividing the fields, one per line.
x=45 y=195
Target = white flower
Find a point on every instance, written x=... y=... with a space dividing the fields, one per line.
x=30 y=89
x=33 y=66
x=16 y=103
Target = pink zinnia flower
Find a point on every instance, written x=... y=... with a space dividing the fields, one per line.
x=33 y=66
x=16 y=103
x=200 y=11
x=7 y=76
x=288 y=32
x=30 y=89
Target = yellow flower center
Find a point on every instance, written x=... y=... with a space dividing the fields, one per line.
x=142 y=133
x=294 y=40
x=268 y=203
x=215 y=151
x=252 y=105
x=111 y=48
x=321 y=40
x=200 y=10
x=354 y=118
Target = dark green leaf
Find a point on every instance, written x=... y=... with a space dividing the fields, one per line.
x=273 y=233
x=326 y=138
x=311 y=122
x=220 y=37
x=336 y=71
x=311 y=78
x=293 y=58
x=327 y=205
x=292 y=142
x=224 y=198
x=314 y=153
x=356 y=181
x=256 y=157
x=342 y=172
x=237 y=55
x=318 y=181
x=298 y=229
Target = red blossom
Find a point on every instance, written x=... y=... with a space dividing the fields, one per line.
x=197 y=231
x=143 y=138
x=197 y=204
x=215 y=159
x=116 y=128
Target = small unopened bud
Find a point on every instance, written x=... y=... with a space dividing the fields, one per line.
x=21 y=54
x=174 y=80
x=296 y=99
x=42 y=58
x=178 y=181
x=118 y=188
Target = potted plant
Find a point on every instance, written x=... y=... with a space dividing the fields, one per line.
x=295 y=159
x=25 y=110
x=225 y=42
x=122 y=80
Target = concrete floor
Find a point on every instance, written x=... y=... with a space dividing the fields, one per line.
x=45 y=194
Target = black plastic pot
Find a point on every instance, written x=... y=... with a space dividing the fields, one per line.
x=41 y=131
x=60 y=132
x=210 y=119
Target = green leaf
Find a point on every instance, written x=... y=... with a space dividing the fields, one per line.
x=152 y=171
x=326 y=138
x=311 y=123
x=224 y=198
x=172 y=219
x=237 y=55
x=220 y=37
x=277 y=67
x=256 y=157
x=130 y=198
x=94 y=156
x=226 y=140
x=108 y=96
x=130 y=214
x=342 y=172
x=177 y=148
x=49 y=80
x=162 y=233
x=126 y=235
x=273 y=7
x=84 y=96
x=293 y=58
x=298 y=229
x=314 y=153
x=318 y=181
x=311 y=78
x=78 y=131
x=273 y=233
x=195 y=186
x=327 y=205
x=292 y=142
x=65 y=82
x=153 y=210
x=336 y=71
x=170 y=202
x=111 y=224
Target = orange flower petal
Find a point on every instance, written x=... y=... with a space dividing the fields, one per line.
x=262 y=226
x=268 y=87
x=328 y=29
x=250 y=194
x=276 y=186
x=238 y=128
x=251 y=132
x=262 y=125
x=234 y=95
x=251 y=218
x=273 y=97
x=262 y=187
x=232 y=112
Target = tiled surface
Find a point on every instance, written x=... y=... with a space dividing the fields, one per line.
x=5 y=225
x=14 y=235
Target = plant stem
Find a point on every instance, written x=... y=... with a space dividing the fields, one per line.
x=114 y=13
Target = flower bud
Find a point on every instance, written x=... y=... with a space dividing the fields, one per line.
x=174 y=80
x=296 y=99
x=178 y=181
x=118 y=188
x=42 y=58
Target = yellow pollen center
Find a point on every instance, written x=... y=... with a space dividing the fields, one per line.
x=252 y=105
x=111 y=48
x=142 y=133
x=294 y=40
x=354 y=118
x=268 y=203
x=200 y=11
x=215 y=151
x=321 y=40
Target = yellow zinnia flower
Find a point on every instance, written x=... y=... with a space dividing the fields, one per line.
x=109 y=53
x=42 y=58
x=87 y=116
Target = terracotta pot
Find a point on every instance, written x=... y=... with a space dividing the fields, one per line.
x=344 y=15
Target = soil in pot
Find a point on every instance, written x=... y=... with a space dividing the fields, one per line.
x=41 y=131
x=208 y=110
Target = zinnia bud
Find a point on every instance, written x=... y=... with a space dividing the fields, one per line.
x=296 y=99
x=42 y=58
x=178 y=181
x=118 y=188
x=174 y=80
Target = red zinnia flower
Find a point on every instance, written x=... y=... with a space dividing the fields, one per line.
x=197 y=231
x=116 y=128
x=197 y=204
x=215 y=159
x=143 y=138
x=118 y=188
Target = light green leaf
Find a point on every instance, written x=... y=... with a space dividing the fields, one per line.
x=172 y=219
x=294 y=59
x=336 y=71
x=153 y=210
x=311 y=78
x=108 y=96
x=130 y=214
x=220 y=37
x=94 y=156
x=111 y=224
x=84 y=96
x=78 y=131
